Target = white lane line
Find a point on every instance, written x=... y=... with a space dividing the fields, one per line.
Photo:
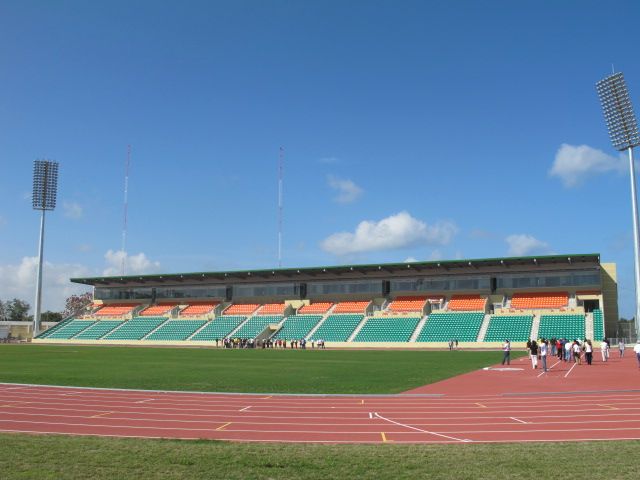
x=518 y=420
x=245 y=409
x=543 y=372
x=572 y=367
x=370 y=414
x=419 y=429
x=145 y=401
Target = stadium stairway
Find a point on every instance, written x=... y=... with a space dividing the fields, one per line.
x=483 y=328
x=419 y=327
x=355 y=332
x=198 y=331
x=319 y=324
x=588 y=327
x=156 y=329
x=535 y=326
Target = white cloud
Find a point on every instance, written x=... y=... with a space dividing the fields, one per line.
x=72 y=210
x=19 y=281
x=134 y=264
x=410 y=260
x=574 y=164
x=347 y=190
x=397 y=231
x=522 y=245
x=435 y=255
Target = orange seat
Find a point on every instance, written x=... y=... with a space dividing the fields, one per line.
x=461 y=303
x=351 y=307
x=115 y=310
x=159 y=309
x=198 y=309
x=241 y=309
x=407 y=304
x=540 y=300
x=273 y=309
x=320 y=307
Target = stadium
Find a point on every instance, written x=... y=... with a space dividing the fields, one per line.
x=319 y=240
x=478 y=303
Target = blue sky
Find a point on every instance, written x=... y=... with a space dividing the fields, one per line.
x=418 y=130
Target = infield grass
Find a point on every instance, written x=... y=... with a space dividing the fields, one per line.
x=248 y=371
x=61 y=457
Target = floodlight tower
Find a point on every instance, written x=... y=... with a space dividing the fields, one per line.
x=45 y=192
x=623 y=131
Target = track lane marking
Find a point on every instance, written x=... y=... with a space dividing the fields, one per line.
x=245 y=408
x=99 y=415
x=572 y=367
x=377 y=415
x=224 y=426
x=518 y=420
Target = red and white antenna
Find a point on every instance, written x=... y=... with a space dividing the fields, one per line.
x=126 y=208
x=280 y=206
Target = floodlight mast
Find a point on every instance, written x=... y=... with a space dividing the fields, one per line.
x=623 y=131
x=45 y=192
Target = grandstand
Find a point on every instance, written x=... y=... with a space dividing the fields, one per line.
x=479 y=302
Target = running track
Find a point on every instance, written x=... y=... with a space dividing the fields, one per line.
x=598 y=402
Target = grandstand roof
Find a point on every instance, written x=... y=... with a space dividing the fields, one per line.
x=331 y=272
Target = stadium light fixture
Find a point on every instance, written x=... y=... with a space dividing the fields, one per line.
x=45 y=193
x=623 y=131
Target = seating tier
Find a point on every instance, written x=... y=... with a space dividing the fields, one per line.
x=387 y=329
x=219 y=328
x=297 y=326
x=562 y=326
x=136 y=328
x=407 y=304
x=157 y=310
x=98 y=330
x=539 y=300
x=337 y=328
x=273 y=309
x=198 y=309
x=245 y=309
x=442 y=327
x=176 y=330
x=515 y=328
x=351 y=307
x=319 y=307
x=462 y=303
x=72 y=328
x=256 y=325
x=115 y=310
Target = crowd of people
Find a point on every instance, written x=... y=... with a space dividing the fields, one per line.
x=269 y=343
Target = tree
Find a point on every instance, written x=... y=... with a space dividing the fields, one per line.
x=17 y=310
x=2 y=311
x=50 y=316
x=77 y=304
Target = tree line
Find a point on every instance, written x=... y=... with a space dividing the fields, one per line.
x=17 y=310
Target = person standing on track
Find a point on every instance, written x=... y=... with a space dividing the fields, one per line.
x=506 y=351
x=544 y=348
x=604 y=350
x=567 y=350
x=621 y=346
x=588 y=351
x=533 y=353
x=636 y=349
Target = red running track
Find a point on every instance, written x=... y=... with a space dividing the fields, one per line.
x=597 y=402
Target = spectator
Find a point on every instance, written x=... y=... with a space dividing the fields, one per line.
x=506 y=352
x=621 y=347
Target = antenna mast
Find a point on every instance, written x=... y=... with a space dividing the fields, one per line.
x=280 y=175
x=126 y=208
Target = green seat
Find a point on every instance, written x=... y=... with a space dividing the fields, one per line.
x=598 y=325
x=98 y=329
x=569 y=326
x=515 y=328
x=297 y=326
x=442 y=327
x=70 y=329
x=256 y=325
x=136 y=328
x=387 y=329
x=176 y=330
x=219 y=327
x=338 y=328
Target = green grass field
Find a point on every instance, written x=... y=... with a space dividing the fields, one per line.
x=262 y=371
x=59 y=457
